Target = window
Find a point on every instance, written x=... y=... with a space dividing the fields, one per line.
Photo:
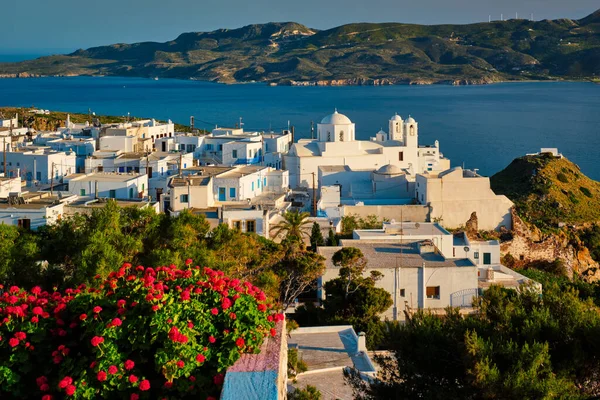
x=397 y=127
x=143 y=187
x=234 y=153
x=250 y=226
x=249 y=153
x=433 y=292
x=131 y=193
x=329 y=136
x=264 y=182
x=220 y=147
x=232 y=193
x=252 y=186
x=38 y=176
x=412 y=130
x=82 y=192
x=112 y=194
x=476 y=255
x=209 y=147
x=258 y=183
x=181 y=146
x=400 y=156
x=183 y=198
x=341 y=136
x=18 y=164
x=237 y=225
x=402 y=293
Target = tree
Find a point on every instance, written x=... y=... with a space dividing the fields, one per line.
x=331 y=238
x=310 y=393
x=316 y=237
x=293 y=226
x=298 y=272
x=352 y=264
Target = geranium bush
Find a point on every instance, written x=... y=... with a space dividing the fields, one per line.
x=141 y=333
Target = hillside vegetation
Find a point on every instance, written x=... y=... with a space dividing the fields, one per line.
x=548 y=190
x=362 y=53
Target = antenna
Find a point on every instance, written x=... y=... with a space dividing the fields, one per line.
x=489 y=18
x=241 y=123
x=531 y=17
x=501 y=17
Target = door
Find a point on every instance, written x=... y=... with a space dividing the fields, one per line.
x=222 y=194
x=487 y=258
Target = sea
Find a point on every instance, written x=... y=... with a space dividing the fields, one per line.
x=478 y=127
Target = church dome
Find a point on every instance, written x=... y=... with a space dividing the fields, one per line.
x=410 y=120
x=396 y=117
x=389 y=169
x=336 y=119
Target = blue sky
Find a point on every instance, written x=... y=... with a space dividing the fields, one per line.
x=43 y=26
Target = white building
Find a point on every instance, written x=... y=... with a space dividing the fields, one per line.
x=108 y=185
x=456 y=193
x=38 y=165
x=336 y=145
x=31 y=211
x=190 y=191
x=9 y=185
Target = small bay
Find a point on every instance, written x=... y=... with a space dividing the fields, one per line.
x=484 y=127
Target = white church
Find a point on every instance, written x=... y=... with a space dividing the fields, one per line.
x=336 y=145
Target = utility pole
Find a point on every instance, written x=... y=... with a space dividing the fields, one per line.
x=312 y=129
x=52 y=179
x=180 y=163
x=314 y=199
x=4 y=156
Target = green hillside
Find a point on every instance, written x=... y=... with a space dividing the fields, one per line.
x=362 y=53
x=548 y=190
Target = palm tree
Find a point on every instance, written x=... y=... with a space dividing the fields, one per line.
x=294 y=225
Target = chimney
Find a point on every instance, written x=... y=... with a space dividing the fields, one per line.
x=361 y=343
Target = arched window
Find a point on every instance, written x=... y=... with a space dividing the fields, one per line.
x=412 y=130
x=329 y=136
x=397 y=127
x=341 y=136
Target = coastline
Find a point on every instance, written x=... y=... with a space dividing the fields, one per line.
x=326 y=83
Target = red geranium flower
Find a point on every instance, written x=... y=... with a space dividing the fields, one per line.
x=116 y=322
x=214 y=311
x=180 y=364
x=226 y=303
x=240 y=342
x=83 y=317
x=129 y=365
x=101 y=376
x=134 y=396
x=212 y=339
x=200 y=358
x=133 y=378
x=262 y=308
x=218 y=379
x=97 y=309
x=273 y=332
x=70 y=390
x=47 y=397
x=96 y=340
x=21 y=335
x=13 y=342
x=144 y=385
x=112 y=370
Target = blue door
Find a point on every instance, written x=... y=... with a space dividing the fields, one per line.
x=222 y=194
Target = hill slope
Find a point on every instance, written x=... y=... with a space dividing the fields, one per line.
x=548 y=190
x=350 y=54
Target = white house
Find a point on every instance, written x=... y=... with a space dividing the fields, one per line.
x=246 y=219
x=9 y=185
x=31 y=211
x=190 y=191
x=456 y=193
x=336 y=145
x=38 y=165
x=108 y=185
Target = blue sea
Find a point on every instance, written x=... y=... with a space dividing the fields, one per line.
x=482 y=127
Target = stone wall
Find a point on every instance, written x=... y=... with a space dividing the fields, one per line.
x=529 y=244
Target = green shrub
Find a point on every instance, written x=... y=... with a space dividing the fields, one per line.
x=153 y=333
x=586 y=191
x=310 y=393
x=295 y=365
x=562 y=177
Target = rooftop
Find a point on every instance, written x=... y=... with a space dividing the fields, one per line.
x=383 y=254
x=206 y=170
x=399 y=230
x=190 y=180
x=103 y=177
x=242 y=171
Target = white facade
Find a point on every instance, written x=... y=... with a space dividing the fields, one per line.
x=454 y=194
x=35 y=165
x=242 y=183
x=247 y=220
x=190 y=192
x=108 y=185
x=9 y=185
x=33 y=215
x=336 y=145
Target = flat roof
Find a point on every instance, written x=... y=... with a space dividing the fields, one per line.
x=383 y=254
x=103 y=177
x=192 y=180
x=238 y=172
x=98 y=203
x=208 y=170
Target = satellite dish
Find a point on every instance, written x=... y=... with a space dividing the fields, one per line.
x=417 y=225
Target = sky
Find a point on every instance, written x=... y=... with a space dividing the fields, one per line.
x=58 y=26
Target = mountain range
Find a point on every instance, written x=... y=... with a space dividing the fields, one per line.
x=360 y=53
